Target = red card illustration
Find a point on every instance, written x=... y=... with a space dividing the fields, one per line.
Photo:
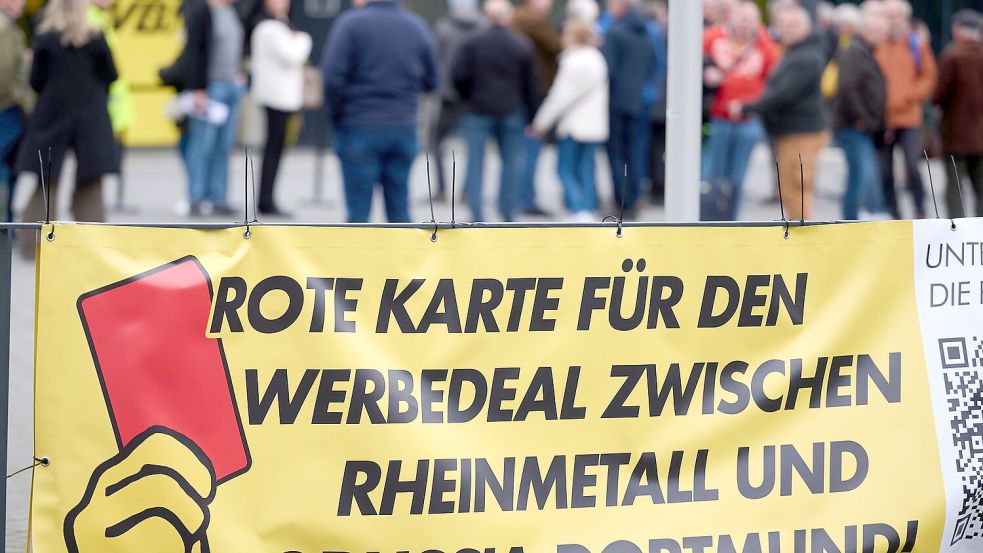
x=157 y=366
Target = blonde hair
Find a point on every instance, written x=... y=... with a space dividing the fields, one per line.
x=578 y=32
x=70 y=21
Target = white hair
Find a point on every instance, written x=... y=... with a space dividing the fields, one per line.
x=462 y=5
x=801 y=16
x=825 y=10
x=498 y=11
x=870 y=6
x=904 y=4
x=585 y=10
x=848 y=14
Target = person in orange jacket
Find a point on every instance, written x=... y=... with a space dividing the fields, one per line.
x=910 y=71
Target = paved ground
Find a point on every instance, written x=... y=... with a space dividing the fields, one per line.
x=155 y=188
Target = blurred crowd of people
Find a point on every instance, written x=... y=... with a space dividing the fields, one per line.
x=65 y=93
x=863 y=78
x=506 y=75
x=62 y=93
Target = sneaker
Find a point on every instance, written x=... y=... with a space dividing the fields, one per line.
x=224 y=210
x=194 y=210
x=273 y=211
x=583 y=217
x=536 y=211
x=865 y=215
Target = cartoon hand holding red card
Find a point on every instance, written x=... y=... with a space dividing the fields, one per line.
x=172 y=406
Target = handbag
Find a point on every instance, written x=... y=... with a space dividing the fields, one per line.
x=313 y=91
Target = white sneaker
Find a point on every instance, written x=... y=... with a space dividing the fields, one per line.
x=868 y=216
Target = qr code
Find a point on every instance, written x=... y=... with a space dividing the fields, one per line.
x=962 y=361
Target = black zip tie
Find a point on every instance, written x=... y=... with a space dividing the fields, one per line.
x=38 y=462
x=252 y=175
x=44 y=189
x=781 y=201
x=51 y=233
x=802 y=192
x=620 y=219
x=45 y=176
x=959 y=186
x=433 y=217
x=453 y=189
x=931 y=183
x=245 y=191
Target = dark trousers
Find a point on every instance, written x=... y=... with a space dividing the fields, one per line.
x=970 y=167
x=276 y=134
x=657 y=158
x=373 y=155
x=863 y=180
x=448 y=118
x=910 y=141
x=507 y=132
x=87 y=206
x=626 y=147
x=12 y=124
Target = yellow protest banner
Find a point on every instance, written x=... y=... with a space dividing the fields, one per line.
x=547 y=390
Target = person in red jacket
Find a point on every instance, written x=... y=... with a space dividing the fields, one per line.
x=739 y=58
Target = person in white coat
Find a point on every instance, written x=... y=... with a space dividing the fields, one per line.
x=279 y=53
x=577 y=107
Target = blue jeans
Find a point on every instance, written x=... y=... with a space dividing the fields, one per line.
x=531 y=147
x=507 y=132
x=863 y=180
x=575 y=165
x=11 y=129
x=728 y=151
x=626 y=146
x=209 y=146
x=373 y=155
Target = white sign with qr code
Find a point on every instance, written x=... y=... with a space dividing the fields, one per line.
x=949 y=292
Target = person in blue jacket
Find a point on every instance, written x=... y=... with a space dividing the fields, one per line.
x=631 y=62
x=376 y=63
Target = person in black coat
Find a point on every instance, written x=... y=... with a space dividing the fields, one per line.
x=190 y=70
x=495 y=76
x=197 y=47
x=793 y=111
x=631 y=63
x=71 y=73
x=858 y=116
